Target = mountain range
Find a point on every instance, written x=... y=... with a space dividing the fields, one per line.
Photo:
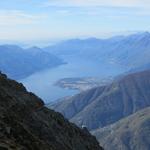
x=120 y=110
x=26 y=124
x=19 y=63
x=105 y=105
x=117 y=113
x=129 y=51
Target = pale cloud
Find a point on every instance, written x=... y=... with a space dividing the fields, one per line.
x=114 y=3
x=17 y=17
x=63 y=12
x=73 y=18
x=17 y=24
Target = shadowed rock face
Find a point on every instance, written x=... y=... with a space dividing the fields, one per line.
x=130 y=133
x=105 y=105
x=25 y=124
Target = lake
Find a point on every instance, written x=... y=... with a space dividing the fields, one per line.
x=42 y=83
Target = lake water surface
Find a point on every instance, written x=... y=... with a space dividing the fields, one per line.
x=42 y=83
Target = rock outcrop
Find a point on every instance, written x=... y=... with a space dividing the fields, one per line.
x=26 y=124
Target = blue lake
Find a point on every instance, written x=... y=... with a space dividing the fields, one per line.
x=42 y=83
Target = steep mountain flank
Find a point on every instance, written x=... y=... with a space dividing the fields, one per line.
x=19 y=63
x=26 y=124
x=130 y=133
x=105 y=105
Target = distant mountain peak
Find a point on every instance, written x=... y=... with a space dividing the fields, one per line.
x=10 y=46
x=140 y=35
x=19 y=63
x=34 y=49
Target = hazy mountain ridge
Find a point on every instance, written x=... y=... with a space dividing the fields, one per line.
x=141 y=68
x=127 y=52
x=131 y=133
x=130 y=51
x=102 y=106
x=19 y=63
x=25 y=123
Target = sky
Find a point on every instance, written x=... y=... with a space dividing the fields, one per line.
x=50 y=20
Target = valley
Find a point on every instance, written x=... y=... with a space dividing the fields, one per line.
x=118 y=114
x=89 y=58
x=104 y=89
x=75 y=75
x=43 y=82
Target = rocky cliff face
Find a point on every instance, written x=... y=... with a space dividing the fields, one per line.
x=25 y=124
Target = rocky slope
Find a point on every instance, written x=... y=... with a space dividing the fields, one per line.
x=131 y=133
x=26 y=124
x=105 y=105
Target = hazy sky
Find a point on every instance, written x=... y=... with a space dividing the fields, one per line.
x=41 y=20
